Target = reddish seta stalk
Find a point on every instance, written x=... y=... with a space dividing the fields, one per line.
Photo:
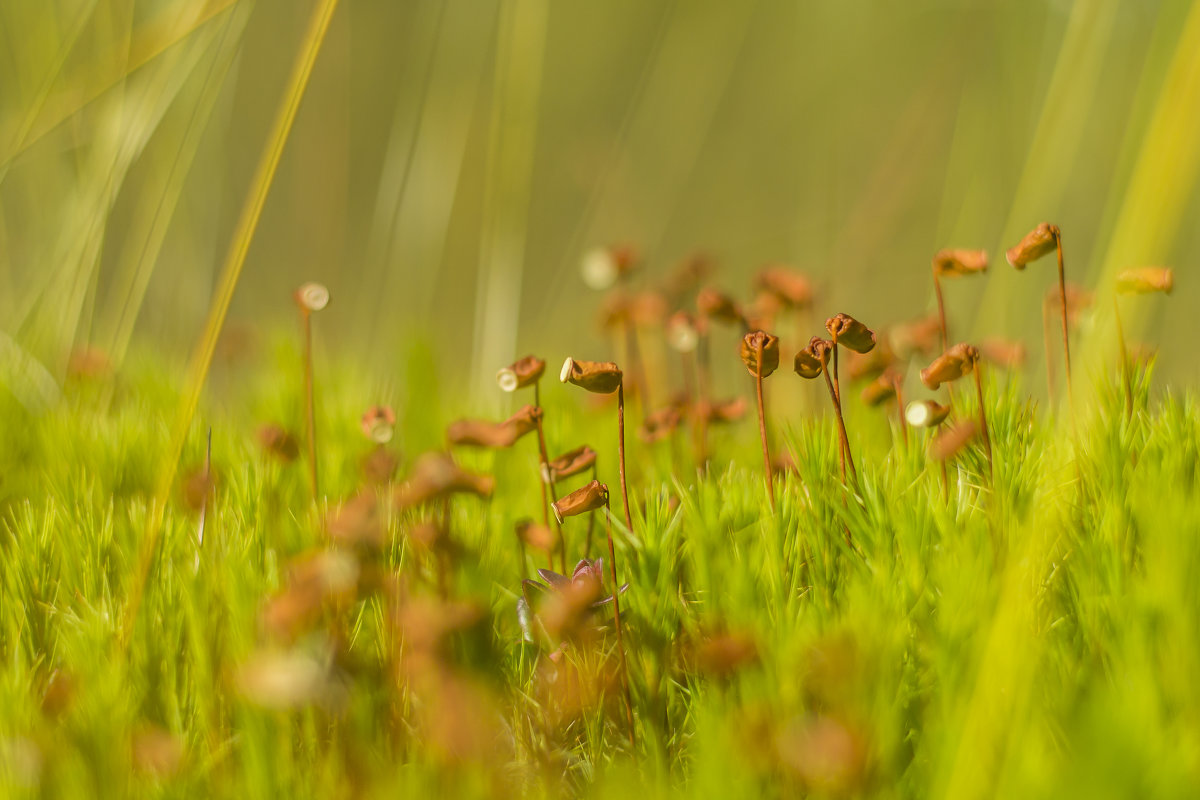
x=762 y=425
x=616 y=596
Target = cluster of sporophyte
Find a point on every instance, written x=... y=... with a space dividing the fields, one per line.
x=383 y=600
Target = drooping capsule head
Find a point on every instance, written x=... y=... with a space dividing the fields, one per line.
x=311 y=296
x=602 y=377
x=1144 y=280
x=850 y=333
x=760 y=353
x=521 y=373
x=584 y=499
x=926 y=413
x=1038 y=242
x=810 y=361
x=955 y=263
x=951 y=365
x=379 y=424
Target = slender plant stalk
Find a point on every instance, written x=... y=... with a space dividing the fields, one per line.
x=1046 y=345
x=545 y=470
x=762 y=425
x=1126 y=377
x=837 y=392
x=612 y=565
x=231 y=271
x=987 y=440
x=1062 y=291
x=310 y=410
x=204 y=500
x=704 y=393
x=621 y=451
x=587 y=550
x=937 y=289
x=945 y=481
x=843 y=440
x=898 y=386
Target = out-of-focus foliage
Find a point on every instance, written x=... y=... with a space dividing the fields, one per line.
x=452 y=161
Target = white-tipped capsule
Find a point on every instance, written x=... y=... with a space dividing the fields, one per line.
x=565 y=373
x=379 y=431
x=523 y=372
x=682 y=334
x=925 y=413
x=378 y=424
x=917 y=415
x=312 y=296
x=599 y=269
x=507 y=380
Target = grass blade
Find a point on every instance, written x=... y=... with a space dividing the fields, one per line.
x=198 y=369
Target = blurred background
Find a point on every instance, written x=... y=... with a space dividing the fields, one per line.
x=451 y=162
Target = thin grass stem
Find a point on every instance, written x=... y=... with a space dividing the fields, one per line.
x=983 y=426
x=544 y=459
x=1126 y=377
x=937 y=289
x=762 y=425
x=309 y=405
x=616 y=596
x=621 y=451
x=236 y=258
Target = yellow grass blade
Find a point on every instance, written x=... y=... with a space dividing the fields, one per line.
x=1163 y=180
x=518 y=82
x=198 y=369
x=56 y=303
x=156 y=209
x=30 y=117
x=148 y=43
x=1162 y=183
x=1062 y=121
